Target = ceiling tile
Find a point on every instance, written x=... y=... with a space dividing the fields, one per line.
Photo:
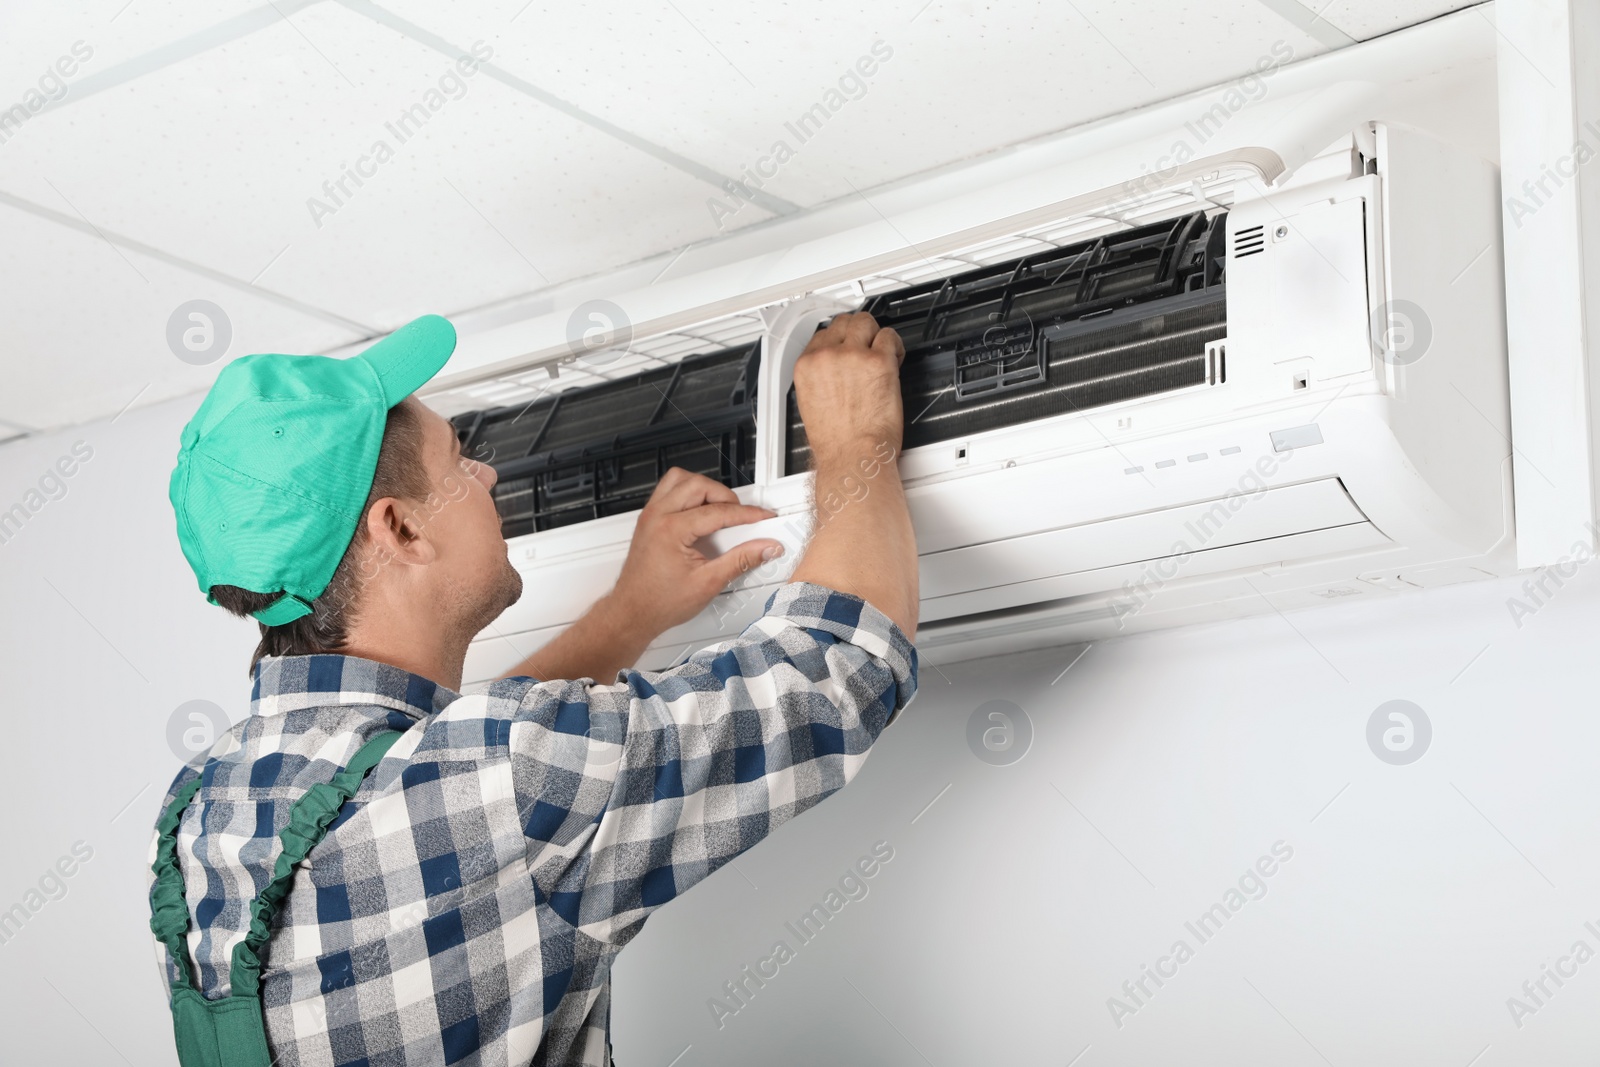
x=240 y=158
x=91 y=333
x=724 y=83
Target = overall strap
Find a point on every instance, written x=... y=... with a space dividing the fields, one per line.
x=308 y=824
x=169 y=911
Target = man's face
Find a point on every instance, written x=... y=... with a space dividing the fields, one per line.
x=475 y=578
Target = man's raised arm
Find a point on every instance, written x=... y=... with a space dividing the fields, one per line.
x=847 y=383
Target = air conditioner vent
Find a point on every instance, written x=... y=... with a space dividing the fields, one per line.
x=1249 y=241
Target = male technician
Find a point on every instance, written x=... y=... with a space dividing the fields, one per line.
x=375 y=869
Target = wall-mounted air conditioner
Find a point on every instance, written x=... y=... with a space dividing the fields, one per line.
x=1214 y=398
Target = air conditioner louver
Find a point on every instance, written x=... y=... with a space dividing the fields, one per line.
x=1094 y=323
x=601 y=449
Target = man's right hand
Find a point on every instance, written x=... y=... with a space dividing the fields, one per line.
x=847 y=384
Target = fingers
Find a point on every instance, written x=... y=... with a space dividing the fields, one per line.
x=697 y=522
x=887 y=340
x=673 y=476
x=855 y=327
x=665 y=489
x=829 y=332
x=680 y=490
x=741 y=558
x=859 y=327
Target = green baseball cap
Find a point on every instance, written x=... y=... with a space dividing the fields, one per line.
x=275 y=468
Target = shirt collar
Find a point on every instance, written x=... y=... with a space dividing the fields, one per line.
x=292 y=683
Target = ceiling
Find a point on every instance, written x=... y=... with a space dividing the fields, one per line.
x=165 y=152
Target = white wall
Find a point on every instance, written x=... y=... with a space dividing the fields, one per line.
x=102 y=636
x=1161 y=767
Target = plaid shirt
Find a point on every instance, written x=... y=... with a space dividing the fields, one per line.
x=468 y=902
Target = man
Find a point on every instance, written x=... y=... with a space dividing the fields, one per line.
x=373 y=868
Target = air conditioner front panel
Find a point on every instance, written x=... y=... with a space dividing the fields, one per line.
x=1147 y=539
x=1120 y=479
x=1093 y=618
x=1136 y=588
x=1135 y=582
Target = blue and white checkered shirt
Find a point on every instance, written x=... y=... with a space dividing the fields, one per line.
x=467 y=904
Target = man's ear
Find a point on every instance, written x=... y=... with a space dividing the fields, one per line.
x=394 y=533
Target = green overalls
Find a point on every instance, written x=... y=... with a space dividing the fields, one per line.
x=231 y=1032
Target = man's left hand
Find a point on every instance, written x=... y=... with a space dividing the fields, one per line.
x=666 y=579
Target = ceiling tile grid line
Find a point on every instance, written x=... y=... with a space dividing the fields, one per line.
x=241 y=25
x=408 y=242
x=106 y=318
x=260 y=18
x=251 y=21
x=265 y=17
x=384 y=17
x=116 y=240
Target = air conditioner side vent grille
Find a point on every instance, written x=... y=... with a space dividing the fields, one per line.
x=1249 y=241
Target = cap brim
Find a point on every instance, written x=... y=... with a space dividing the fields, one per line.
x=407 y=358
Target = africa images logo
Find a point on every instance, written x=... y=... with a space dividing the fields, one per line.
x=999 y=732
x=1003 y=344
x=1399 y=732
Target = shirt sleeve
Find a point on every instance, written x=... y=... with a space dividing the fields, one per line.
x=632 y=792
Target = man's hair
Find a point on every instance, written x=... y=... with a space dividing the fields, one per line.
x=401 y=473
